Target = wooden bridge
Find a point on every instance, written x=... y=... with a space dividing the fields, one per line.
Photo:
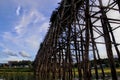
x=80 y=31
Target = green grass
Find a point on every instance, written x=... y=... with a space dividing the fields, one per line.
x=16 y=73
x=107 y=71
x=27 y=73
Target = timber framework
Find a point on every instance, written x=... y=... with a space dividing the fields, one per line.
x=80 y=31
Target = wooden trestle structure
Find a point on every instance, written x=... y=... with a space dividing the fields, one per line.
x=80 y=31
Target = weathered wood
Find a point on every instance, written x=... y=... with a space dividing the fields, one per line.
x=108 y=42
x=76 y=28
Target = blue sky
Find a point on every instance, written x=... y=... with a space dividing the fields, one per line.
x=23 y=25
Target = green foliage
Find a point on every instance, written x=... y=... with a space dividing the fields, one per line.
x=20 y=63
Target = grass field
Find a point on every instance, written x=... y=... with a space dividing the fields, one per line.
x=27 y=73
x=107 y=72
x=16 y=74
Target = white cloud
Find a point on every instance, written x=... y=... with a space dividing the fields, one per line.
x=36 y=35
x=27 y=20
x=9 y=52
x=27 y=33
x=32 y=41
x=44 y=27
x=18 y=10
x=12 y=58
x=29 y=29
x=24 y=54
x=37 y=3
x=8 y=36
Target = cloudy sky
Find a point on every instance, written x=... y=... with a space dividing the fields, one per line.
x=23 y=24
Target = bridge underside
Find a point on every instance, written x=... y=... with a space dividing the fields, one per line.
x=81 y=32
